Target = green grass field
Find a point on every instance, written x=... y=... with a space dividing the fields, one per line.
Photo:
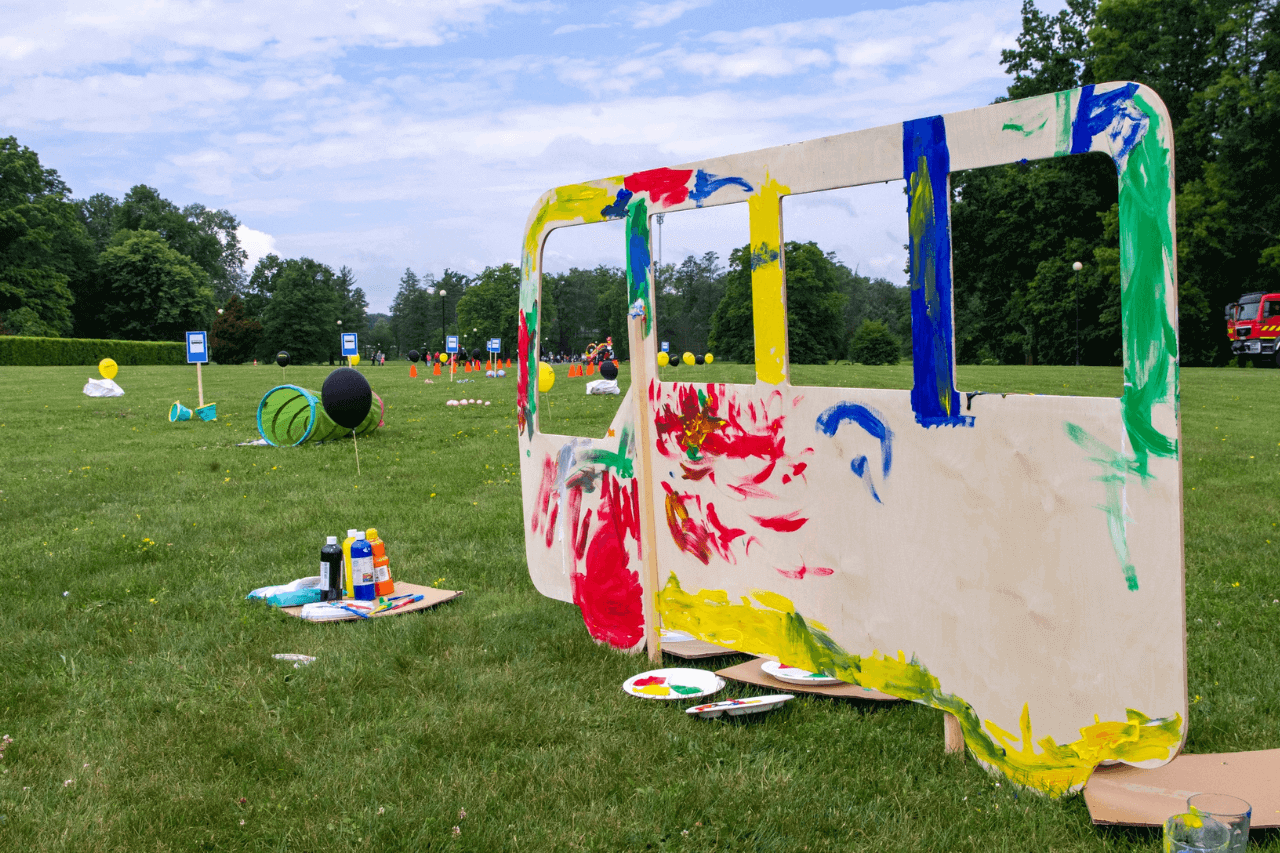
x=147 y=713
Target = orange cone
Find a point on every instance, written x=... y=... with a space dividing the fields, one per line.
x=591 y=368
x=436 y=371
x=508 y=363
x=468 y=368
x=413 y=371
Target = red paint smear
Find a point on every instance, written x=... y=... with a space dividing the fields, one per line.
x=649 y=682
x=751 y=490
x=609 y=592
x=788 y=523
x=797 y=574
x=694 y=537
x=759 y=436
x=666 y=186
x=551 y=523
x=546 y=488
x=578 y=534
x=522 y=375
x=696 y=472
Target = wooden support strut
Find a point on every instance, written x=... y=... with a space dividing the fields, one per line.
x=952 y=734
x=648 y=528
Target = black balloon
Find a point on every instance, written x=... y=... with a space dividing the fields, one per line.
x=347 y=397
x=414 y=356
x=674 y=362
x=609 y=370
x=282 y=358
x=475 y=354
x=699 y=359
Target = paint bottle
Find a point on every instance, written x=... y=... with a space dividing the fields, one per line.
x=331 y=574
x=383 y=584
x=346 y=562
x=362 y=568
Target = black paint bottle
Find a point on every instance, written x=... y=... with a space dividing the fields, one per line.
x=331 y=580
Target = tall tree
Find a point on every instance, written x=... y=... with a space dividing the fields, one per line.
x=301 y=308
x=491 y=305
x=156 y=293
x=234 y=337
x=44 y=248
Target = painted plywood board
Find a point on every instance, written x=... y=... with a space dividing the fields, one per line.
x=1013 y=560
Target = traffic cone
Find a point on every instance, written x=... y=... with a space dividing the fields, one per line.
x=413 y=371
x=468 y=367
x=508 y=364
x=591 y=368
x=615 y=362
x=436 y=371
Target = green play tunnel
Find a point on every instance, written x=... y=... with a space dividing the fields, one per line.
x=289 y=415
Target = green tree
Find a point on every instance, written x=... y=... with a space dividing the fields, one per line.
x=234 y=337
x=207 y=237
x=301 y=308
x=44 y=248
x=689 y=296
x=815 y=308
x=492 y=304
x=873 y=343
x=156 y=293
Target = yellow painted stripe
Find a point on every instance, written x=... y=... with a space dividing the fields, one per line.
x=768 y=296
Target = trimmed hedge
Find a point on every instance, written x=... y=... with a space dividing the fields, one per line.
x=35 y=352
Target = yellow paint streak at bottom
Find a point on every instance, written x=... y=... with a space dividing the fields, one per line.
x=653 y=690
x=771 y=625
x=768 y=304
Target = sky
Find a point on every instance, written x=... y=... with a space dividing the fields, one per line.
x=386 y=136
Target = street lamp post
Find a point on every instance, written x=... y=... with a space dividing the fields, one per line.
x=1077 y=266
x=443 y=329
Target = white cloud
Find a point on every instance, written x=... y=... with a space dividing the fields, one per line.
x=646 y=15
x=257 y=244
x=577 y=28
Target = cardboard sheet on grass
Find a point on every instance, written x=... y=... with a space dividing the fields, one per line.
x=1015 y=560
x=696 y=649
x=1136 y=797
x=430 y=598
x=750 y=673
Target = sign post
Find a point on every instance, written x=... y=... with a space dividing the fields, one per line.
x=198 y=354
x=494 y=347
x=350 y=345
x=451 y=347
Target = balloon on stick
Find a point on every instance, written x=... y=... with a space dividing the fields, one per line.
x=355 y=359
x=444 y=358
x=710 y=358
x=347 y=398
x=108 y=368
x=687 y=358
x=609 y=370
x=282 y=358
x=414 y=355
x=663 y=359
x=546 y=377
x=699 y=359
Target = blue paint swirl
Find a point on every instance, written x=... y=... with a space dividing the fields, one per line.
x=618 y=209
x=871 y=421
x=1112 y=112
x=705 y=183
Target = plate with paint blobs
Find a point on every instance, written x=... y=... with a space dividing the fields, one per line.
x=796 y=675
x=738 y=707
x=675 y=683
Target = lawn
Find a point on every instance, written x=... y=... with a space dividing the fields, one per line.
x=147 y=713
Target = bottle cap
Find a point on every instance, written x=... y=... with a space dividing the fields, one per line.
x=372 y=534
x=352 y=532
x=360 y=536
x=331 y=540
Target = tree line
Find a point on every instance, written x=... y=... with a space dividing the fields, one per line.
x=1018 y=229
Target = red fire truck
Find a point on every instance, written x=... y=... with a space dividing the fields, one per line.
x=1253 y=325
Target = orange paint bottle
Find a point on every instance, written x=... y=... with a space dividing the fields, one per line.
x=383 y=583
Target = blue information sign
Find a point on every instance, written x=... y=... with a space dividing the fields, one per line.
x=495 y=344
x=197 y=348
x=451 y=343
x=350 y=344
x=666 y=346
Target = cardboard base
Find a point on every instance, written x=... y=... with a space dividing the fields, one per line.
x=1127 y=795
x=430 y=598
x=696 y=649
x=750 y=673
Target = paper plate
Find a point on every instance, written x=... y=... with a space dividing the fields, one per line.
x=674 y=683
x=795 y=675
x=738 y=707
x=666 y=635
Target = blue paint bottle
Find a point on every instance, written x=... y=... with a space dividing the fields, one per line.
x=362 y=569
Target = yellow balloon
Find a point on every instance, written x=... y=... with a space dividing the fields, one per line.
x=444 y=358
x=709 y=358
x=663 y=359
x=355 y=359
x=546 y=377
x=107 y=367
x=688 y=358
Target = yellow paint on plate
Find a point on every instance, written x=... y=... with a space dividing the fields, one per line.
x=653 y=690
